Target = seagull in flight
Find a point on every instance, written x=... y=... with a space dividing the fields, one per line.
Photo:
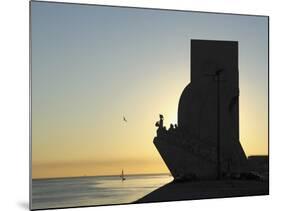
x=124 y=119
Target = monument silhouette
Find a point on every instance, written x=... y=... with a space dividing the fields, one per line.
x=205 y=144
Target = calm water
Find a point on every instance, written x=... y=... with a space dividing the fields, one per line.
x=99 y=190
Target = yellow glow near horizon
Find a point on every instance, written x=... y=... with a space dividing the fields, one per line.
x=94 y=168
x=110 y=145
x=76 y=158
x=72 y=149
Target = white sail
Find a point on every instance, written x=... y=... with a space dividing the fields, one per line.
x=122 y=175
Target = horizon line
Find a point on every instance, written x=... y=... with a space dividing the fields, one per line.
x=107 y=175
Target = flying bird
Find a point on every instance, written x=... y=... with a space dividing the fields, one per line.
x=124 y=119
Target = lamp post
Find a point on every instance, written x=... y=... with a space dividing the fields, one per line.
x=217 y=76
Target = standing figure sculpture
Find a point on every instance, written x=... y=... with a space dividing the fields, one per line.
x=160 y=124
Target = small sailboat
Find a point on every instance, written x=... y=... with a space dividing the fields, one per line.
x=122 y=176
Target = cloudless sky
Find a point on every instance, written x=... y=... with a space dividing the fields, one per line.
x=93 y=64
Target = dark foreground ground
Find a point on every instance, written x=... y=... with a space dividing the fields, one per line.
x=206 y=189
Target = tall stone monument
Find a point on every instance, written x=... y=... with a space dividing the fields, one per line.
x=206 y=143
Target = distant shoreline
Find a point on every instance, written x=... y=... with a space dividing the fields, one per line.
x=116 y=175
